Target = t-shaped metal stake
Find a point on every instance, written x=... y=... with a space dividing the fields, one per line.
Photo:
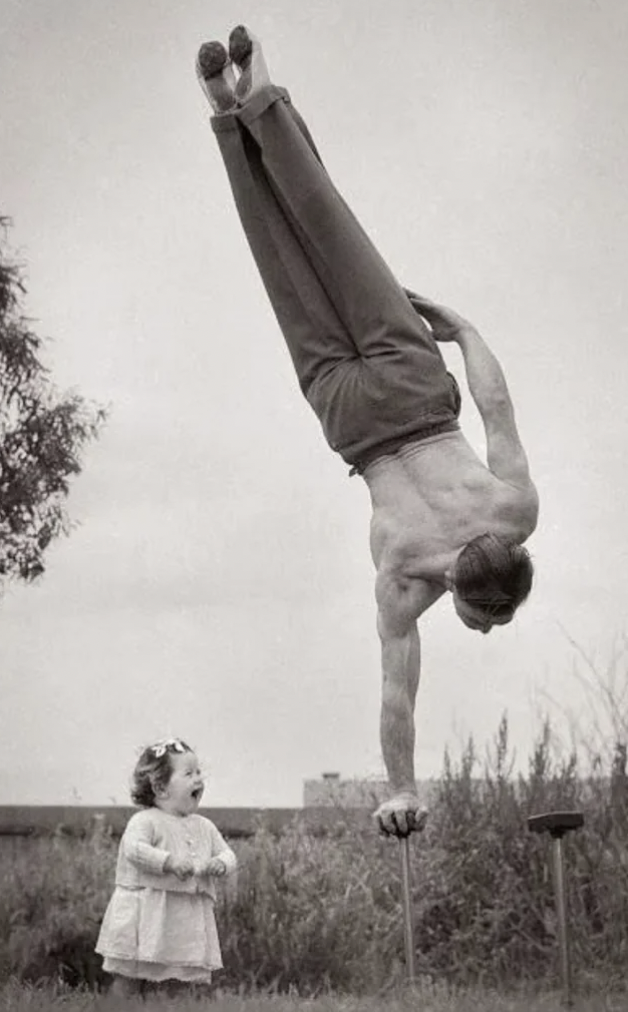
x=414 y=823
x=557 y=824
x=408 y=926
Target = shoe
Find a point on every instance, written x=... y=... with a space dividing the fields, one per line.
x=245 y=52
x=216 y=77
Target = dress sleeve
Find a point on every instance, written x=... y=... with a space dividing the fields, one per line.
x=138 y=845
x=220 y=848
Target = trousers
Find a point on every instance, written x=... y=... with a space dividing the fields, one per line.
x=366 y=362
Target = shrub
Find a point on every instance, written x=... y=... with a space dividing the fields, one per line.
x=54 y=894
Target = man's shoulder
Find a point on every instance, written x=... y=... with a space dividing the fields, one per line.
x=402 y=597
x=518 y=507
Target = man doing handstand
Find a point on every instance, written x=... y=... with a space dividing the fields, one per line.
x=366 y=356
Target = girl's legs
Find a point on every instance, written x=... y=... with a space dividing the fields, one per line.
x=127 y=987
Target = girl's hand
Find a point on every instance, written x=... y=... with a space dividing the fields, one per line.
x=216 y=866
x=181 y=868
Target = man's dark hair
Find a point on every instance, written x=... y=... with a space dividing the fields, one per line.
x=493 y=574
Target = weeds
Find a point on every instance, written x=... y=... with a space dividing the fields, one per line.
x=322 y=914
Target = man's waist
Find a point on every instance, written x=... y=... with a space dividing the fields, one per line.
x=392 y=447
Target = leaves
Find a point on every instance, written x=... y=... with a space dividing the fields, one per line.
x=42 y=437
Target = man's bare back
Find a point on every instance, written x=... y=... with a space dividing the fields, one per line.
x=429 y=500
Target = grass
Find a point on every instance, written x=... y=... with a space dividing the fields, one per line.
x=313 y=915
x=426 y=996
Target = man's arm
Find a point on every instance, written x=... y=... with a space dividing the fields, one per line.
x=399 y=605
x=401 y=667
x=506 y=457
x=505 y=454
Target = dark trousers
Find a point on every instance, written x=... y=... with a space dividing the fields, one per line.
x=366 y=362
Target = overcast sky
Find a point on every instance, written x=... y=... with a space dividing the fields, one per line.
x=219 y=585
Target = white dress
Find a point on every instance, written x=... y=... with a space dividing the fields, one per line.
x=155 y=927
x=151 y=934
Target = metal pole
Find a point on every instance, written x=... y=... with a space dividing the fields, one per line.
x=408 y=927
x=561 y=916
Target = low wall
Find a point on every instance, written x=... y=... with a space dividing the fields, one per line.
x=38 y=820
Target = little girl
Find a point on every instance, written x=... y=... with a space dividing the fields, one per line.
x=159 y=924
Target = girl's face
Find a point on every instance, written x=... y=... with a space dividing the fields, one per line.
x=183 y=792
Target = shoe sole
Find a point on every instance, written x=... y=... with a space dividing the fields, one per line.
x=240 y=46
x=212 y=59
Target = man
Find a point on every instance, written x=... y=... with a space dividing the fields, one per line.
x=370 y=367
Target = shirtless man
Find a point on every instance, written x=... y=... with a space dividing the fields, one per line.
x=366 y=356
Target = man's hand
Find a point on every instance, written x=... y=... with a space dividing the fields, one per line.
x=182 y=869
x=401 y=816
x=446 y=325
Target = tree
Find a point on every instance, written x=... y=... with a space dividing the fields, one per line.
x=42 y=436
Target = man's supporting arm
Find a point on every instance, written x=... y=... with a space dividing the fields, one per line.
x=401 y=665
x=399 y=604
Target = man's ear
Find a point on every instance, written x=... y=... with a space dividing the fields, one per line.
x=449 y=580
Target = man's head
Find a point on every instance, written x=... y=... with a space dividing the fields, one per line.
x=490 y=579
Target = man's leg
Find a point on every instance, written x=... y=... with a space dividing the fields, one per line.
x=365 y=294
x=316 y=337
x=320 y=269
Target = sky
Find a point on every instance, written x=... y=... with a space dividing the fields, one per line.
x=218 y=584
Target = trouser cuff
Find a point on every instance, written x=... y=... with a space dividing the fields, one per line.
x=252 y=110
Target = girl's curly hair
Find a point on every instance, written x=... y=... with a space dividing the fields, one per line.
x=153 y=770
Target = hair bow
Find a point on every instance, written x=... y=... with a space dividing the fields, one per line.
x=161 y=747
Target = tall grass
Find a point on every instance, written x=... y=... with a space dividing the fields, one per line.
x=322 y=913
